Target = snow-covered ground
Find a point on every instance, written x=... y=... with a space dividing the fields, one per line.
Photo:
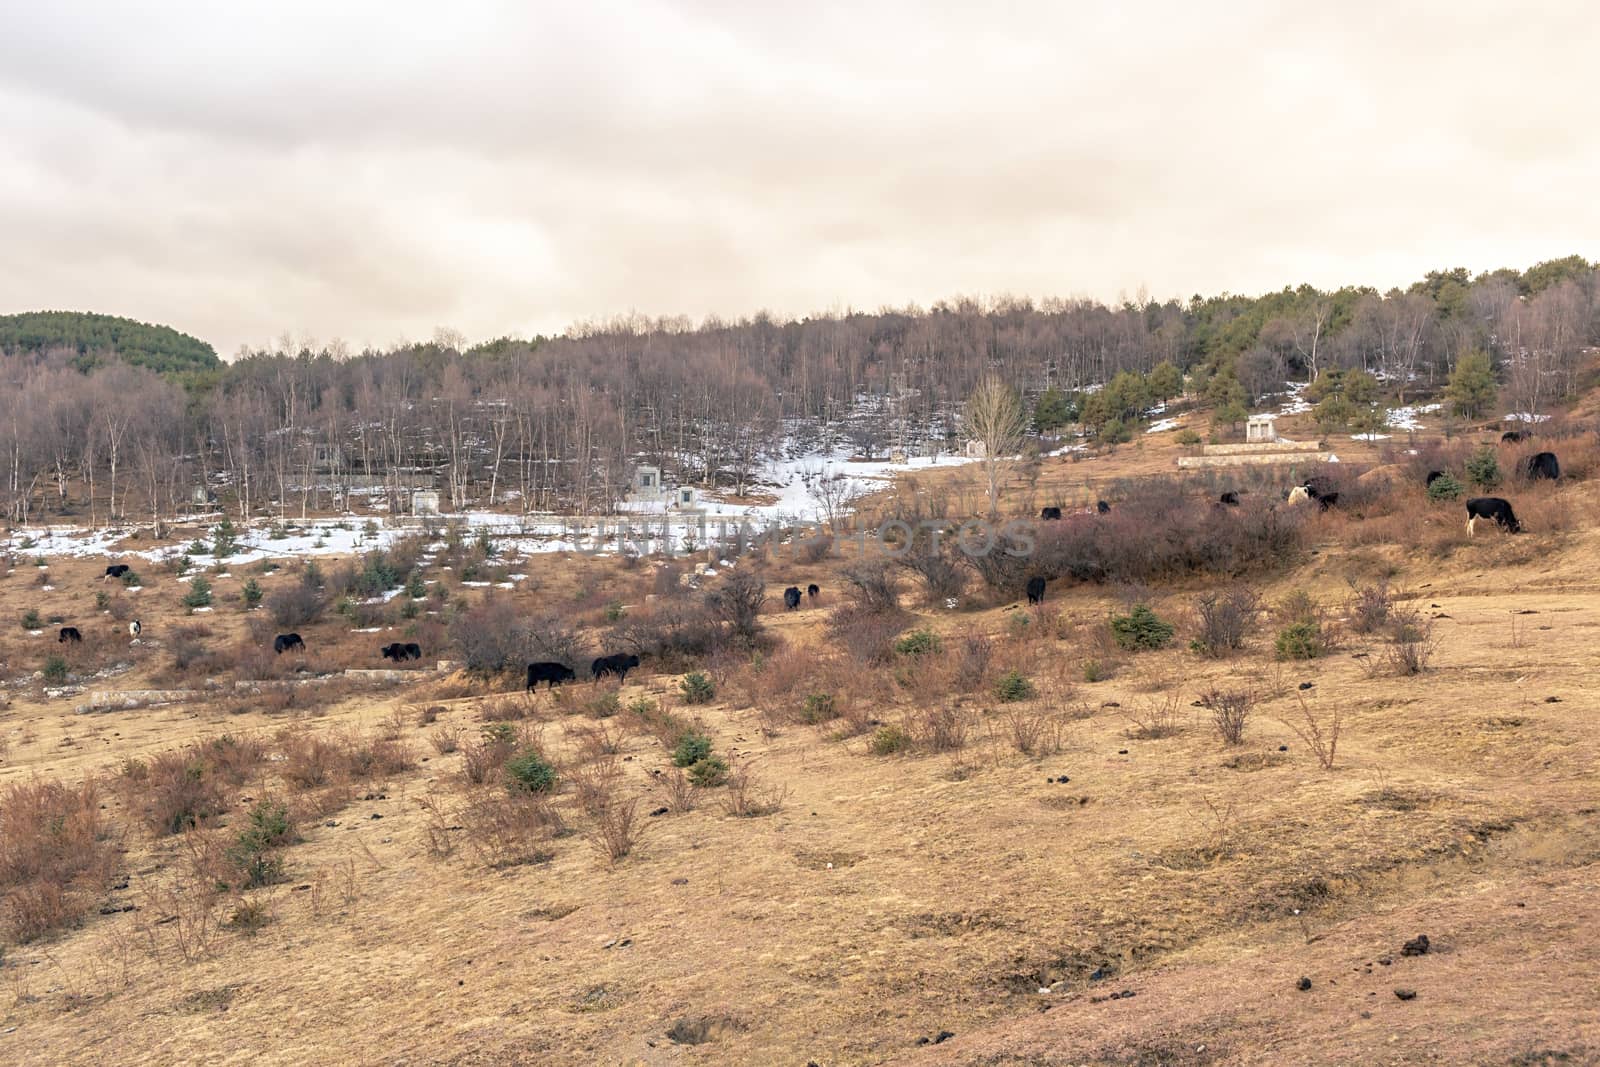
x=1163 y=425
x=1526 y=416
x=644 y=527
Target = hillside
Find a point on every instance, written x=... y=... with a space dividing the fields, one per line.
x=158 y=348
x=1013 y=840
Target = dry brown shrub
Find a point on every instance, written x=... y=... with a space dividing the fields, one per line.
x=56 y=857
x=594 y=784
x=595 y=740
x=1230 y=712
x=506 y=829
x=677 y=790
x=865 y=634
x=617 y=829
x=1037 y=731
x=1156 y=718
x=446 y=738
x=744 y=796
x=942 y=728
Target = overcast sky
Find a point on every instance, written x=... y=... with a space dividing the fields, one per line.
x=374 y=171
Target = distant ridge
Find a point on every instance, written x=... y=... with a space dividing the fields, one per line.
x=94 y=337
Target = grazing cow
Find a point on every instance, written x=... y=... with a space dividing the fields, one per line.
x=813 y=591
x=1230 y=498
x=413 y=650
x=1036 y=590
x=1324 y=500
x=619 y=664
x=1298 y=495
x=1049 y=513
x=791 y=598
x=1492 y=507
x=134 y=628
x=1102 y=507
x=1512 y=437
x=554 y=673
x=284 y=642
x=1540 y=465
x=395 y=652
x=69 y=633
x=1433 y=476
x=116 y=570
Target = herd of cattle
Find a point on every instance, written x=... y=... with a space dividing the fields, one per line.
x=1540 y=466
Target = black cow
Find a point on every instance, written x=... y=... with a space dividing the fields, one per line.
x=69 y=633
x=619 y=664
x=284 y=642
x=554 y=673
x=1321 y=491
x=1102 y=507
x=1511 y=437
x=116 y=570
x=395 y=652
x=813 y=591
x=1036 y=590
x=1433 y=476
x=1230 y=498
x=1049 y=513
x=791 y=598
x=1492 y=507
x=413 y=650
x=1540 y=465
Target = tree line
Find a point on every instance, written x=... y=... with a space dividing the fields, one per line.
x=559 y=423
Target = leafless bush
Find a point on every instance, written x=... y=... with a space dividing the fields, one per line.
x=941 y=728
x=677 y=790
x=1411 y=642
x=1225 y=619
x=437 y=828
x=1368 y=606
x=1230 y=711
x=674 y=633
x=935 y=560
x=617 y=829
x=866 y=634
x=56 y=857
x=1156 y=718
x=1320 y=734
x=816 y=549
x=737 y=602
x=507 y=829
x=446 y=738
x=745 y=797
x=594 y=784
x=376 y=756
x=513 y=707
x=1221 y=823
x=598 y=739
x=483 y=758
x=972 y=660
x=873 y=586
x=1034 y=731
x=296 y=604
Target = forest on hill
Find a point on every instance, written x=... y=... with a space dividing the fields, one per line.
x=561 y=422
x=94 y=339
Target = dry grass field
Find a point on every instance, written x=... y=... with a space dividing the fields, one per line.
x=1015 y=841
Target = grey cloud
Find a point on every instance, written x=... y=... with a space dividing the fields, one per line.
x=371 y=171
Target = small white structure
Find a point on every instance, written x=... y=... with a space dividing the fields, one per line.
x=1260 y=428
x=425 y=502
x=649 y=486
x=897 y=456
x=976 y=450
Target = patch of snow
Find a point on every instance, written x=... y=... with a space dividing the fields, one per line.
x=1163 y=426
x=1525 y=416
x=1369 y=437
